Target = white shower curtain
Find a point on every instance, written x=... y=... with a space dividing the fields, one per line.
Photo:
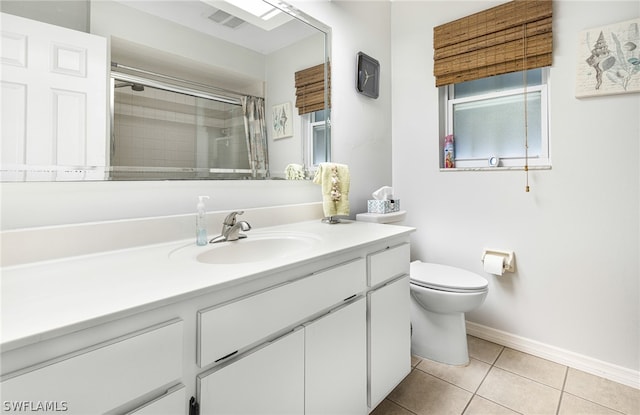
x=256 y=133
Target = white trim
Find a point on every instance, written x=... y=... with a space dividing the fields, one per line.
x=574 y=360
x=501 y=168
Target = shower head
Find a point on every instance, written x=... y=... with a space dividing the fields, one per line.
x=135 y=87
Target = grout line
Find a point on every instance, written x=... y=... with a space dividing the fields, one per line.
x=561 y=388
x=494 y=365
x=484 y=378
x=397 y=403
x=597 y=403
x=475 y=392
x=564 y=382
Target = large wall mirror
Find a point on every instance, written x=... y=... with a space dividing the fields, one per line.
x=160 y=90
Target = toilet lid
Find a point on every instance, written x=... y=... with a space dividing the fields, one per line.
x=444 y=277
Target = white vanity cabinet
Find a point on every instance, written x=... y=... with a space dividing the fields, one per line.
x=296 y=372
x=318 y=368
x=327 y=333
x=389 y=328
x=100 y=378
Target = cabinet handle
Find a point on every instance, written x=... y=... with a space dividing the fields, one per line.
x=224 y=357
x=194 y=406
x=350 y=297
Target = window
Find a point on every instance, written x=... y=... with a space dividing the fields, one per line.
x=318 y=138
x=486 y=118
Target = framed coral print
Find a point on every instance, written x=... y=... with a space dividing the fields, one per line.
x=609 y=60
x=282 y=122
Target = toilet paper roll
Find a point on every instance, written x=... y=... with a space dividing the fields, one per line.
x=494 y=264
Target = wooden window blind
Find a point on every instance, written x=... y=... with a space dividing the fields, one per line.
x=499 y=40
x=310 y=89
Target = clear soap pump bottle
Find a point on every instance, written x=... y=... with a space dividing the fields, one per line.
x=201 y=222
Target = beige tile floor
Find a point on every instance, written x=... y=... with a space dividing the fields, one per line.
x=499 y=380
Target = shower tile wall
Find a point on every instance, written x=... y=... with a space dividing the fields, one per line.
x=162 y=129
x=153 y=129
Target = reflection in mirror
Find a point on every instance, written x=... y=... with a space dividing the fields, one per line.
x=180 y=73
x=163 y=131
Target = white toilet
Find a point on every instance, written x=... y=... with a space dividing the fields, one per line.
x=440 y=295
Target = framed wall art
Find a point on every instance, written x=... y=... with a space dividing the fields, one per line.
x=609 y=60
x=282 y=122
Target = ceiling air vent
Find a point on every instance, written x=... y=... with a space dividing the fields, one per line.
x=226 y=19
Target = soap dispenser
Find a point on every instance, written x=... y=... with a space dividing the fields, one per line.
x=201 y=222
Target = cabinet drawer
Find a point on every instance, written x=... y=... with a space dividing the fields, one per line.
x=391 y=262
x=225 y=329
x=105 y=376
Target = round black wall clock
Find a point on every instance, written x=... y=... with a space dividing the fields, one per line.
x=368 y=75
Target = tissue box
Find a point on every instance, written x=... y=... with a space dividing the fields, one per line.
x=383 y=206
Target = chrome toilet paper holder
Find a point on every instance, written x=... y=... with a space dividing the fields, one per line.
x=508 y=256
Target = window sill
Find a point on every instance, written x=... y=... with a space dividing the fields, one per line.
x=509 y=168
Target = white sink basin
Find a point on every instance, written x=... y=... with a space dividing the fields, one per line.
x=254 y=248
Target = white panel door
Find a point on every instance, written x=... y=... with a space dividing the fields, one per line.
x=269 y=380
x=336 y=362
x=54 y=101
x=389 y=338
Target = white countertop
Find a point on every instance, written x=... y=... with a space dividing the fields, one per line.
x=39 y=300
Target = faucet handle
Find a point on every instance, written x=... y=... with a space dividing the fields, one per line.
x=230 y=220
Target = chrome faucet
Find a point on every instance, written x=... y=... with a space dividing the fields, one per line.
x=231 y=229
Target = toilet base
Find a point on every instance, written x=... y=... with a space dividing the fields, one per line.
x=439 y=337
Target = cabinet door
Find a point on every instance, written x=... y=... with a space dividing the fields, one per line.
x=389 y=338
x=336 y=362
x=269 y=380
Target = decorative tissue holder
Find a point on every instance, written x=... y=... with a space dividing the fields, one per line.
x=383 y=206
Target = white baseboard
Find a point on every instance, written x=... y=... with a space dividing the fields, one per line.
x=587 y=364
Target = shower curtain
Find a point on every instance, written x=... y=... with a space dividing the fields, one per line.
x=255 y=126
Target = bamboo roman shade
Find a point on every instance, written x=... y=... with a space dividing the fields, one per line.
x=310 y=89
x=499 y=40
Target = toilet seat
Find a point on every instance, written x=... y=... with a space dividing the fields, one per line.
x=446 y=278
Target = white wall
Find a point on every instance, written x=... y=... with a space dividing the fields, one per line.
x=575 y=235
x=361 y=138
x=361 y=126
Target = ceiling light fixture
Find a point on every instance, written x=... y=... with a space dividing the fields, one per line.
x=258 y=8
